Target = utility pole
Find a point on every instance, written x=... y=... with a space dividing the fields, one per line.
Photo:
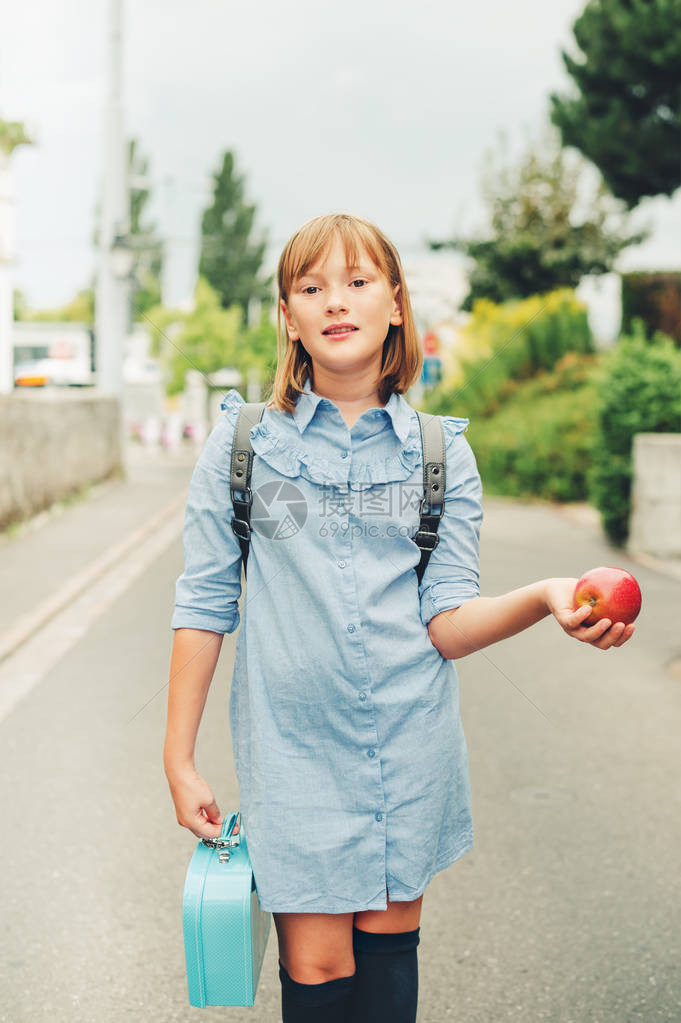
x=114 y=258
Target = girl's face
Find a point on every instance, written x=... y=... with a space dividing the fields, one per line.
x=358 y=298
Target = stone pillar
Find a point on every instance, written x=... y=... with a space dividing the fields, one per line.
x=7 y=243
x=655 y=523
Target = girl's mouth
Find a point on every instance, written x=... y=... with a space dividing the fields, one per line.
x=340 y=331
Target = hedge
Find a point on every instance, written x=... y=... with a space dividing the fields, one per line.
x=540 y=443
x=639 y=392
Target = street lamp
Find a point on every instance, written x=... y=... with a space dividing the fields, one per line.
x=122 y=257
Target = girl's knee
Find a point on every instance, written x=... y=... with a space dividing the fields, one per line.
x=317 y=972
x=315 y=948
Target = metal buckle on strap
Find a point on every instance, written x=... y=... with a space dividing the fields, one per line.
x=241 y=528
x=430 y=504
x=431 y=539
x=239 y=490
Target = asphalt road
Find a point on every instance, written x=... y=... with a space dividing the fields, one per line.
x=567 y=909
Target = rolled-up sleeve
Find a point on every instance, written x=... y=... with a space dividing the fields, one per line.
x=452 y=575
x=208 y=591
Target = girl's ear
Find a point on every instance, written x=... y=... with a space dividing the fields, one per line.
x=290 y=325
x=396 y=314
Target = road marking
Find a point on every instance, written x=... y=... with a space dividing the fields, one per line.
x=27 y=624
x=83 y=604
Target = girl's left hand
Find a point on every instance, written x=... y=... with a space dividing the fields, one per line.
x=558 y=594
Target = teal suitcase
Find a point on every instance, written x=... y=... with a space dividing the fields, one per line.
x=225 y=930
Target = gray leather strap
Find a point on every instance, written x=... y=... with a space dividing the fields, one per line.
x=241 y=467
x=432 y=504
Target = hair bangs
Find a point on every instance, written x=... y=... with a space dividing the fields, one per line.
x=311 y=243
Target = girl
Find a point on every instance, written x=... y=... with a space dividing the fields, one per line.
x=349 y=750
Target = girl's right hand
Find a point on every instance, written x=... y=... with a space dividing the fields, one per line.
x=195 y=804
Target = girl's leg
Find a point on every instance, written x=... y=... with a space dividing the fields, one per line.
x=316 y=966
x=386 y=977
x=399 y=916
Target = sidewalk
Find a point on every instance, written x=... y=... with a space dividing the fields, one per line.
x=53 y=558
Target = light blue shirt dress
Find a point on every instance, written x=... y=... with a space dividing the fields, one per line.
x=349 y=748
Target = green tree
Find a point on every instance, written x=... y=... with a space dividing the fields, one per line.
x=230 y=258
x=626 y=114
x=12 y=134
x=147 y=264
x=544 y=234
x=19 y=306
x=148 y=248
x=80 y=309
x=209 y=338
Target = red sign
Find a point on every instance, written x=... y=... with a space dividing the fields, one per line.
x=431 y=343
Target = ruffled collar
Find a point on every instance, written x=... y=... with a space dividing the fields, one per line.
x=293 y=445
x=397 y=408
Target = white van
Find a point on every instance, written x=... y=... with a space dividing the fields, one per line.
x=60 y=354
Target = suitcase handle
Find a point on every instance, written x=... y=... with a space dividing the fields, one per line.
x=229 y=836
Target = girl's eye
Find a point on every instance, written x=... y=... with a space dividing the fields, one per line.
x=360 y=280
x=309 y=288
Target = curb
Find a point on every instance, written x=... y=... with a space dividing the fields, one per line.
x=585 y=515
x=670 y=567
x=25 y=626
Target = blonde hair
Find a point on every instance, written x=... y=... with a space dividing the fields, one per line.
x=402 y=357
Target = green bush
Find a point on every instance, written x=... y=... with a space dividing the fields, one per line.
x=539 y=444
x=639 y=392
x=505 y=344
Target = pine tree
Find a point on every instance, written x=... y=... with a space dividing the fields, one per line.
x=230 y=258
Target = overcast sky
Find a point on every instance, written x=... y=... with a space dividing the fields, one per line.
x=383 y=108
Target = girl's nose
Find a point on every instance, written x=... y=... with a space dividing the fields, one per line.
x=335 y=303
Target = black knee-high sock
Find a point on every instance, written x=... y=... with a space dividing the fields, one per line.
x=314 y=1003
x=386 y=977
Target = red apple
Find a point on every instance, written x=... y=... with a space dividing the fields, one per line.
x=612 y=592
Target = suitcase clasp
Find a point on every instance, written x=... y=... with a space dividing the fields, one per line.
x=230 y=837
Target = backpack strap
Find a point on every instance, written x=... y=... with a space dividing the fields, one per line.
x=431 y=507
x=250 y=413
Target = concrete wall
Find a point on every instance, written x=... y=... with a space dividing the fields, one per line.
x=52 y=442
x=655 y=524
